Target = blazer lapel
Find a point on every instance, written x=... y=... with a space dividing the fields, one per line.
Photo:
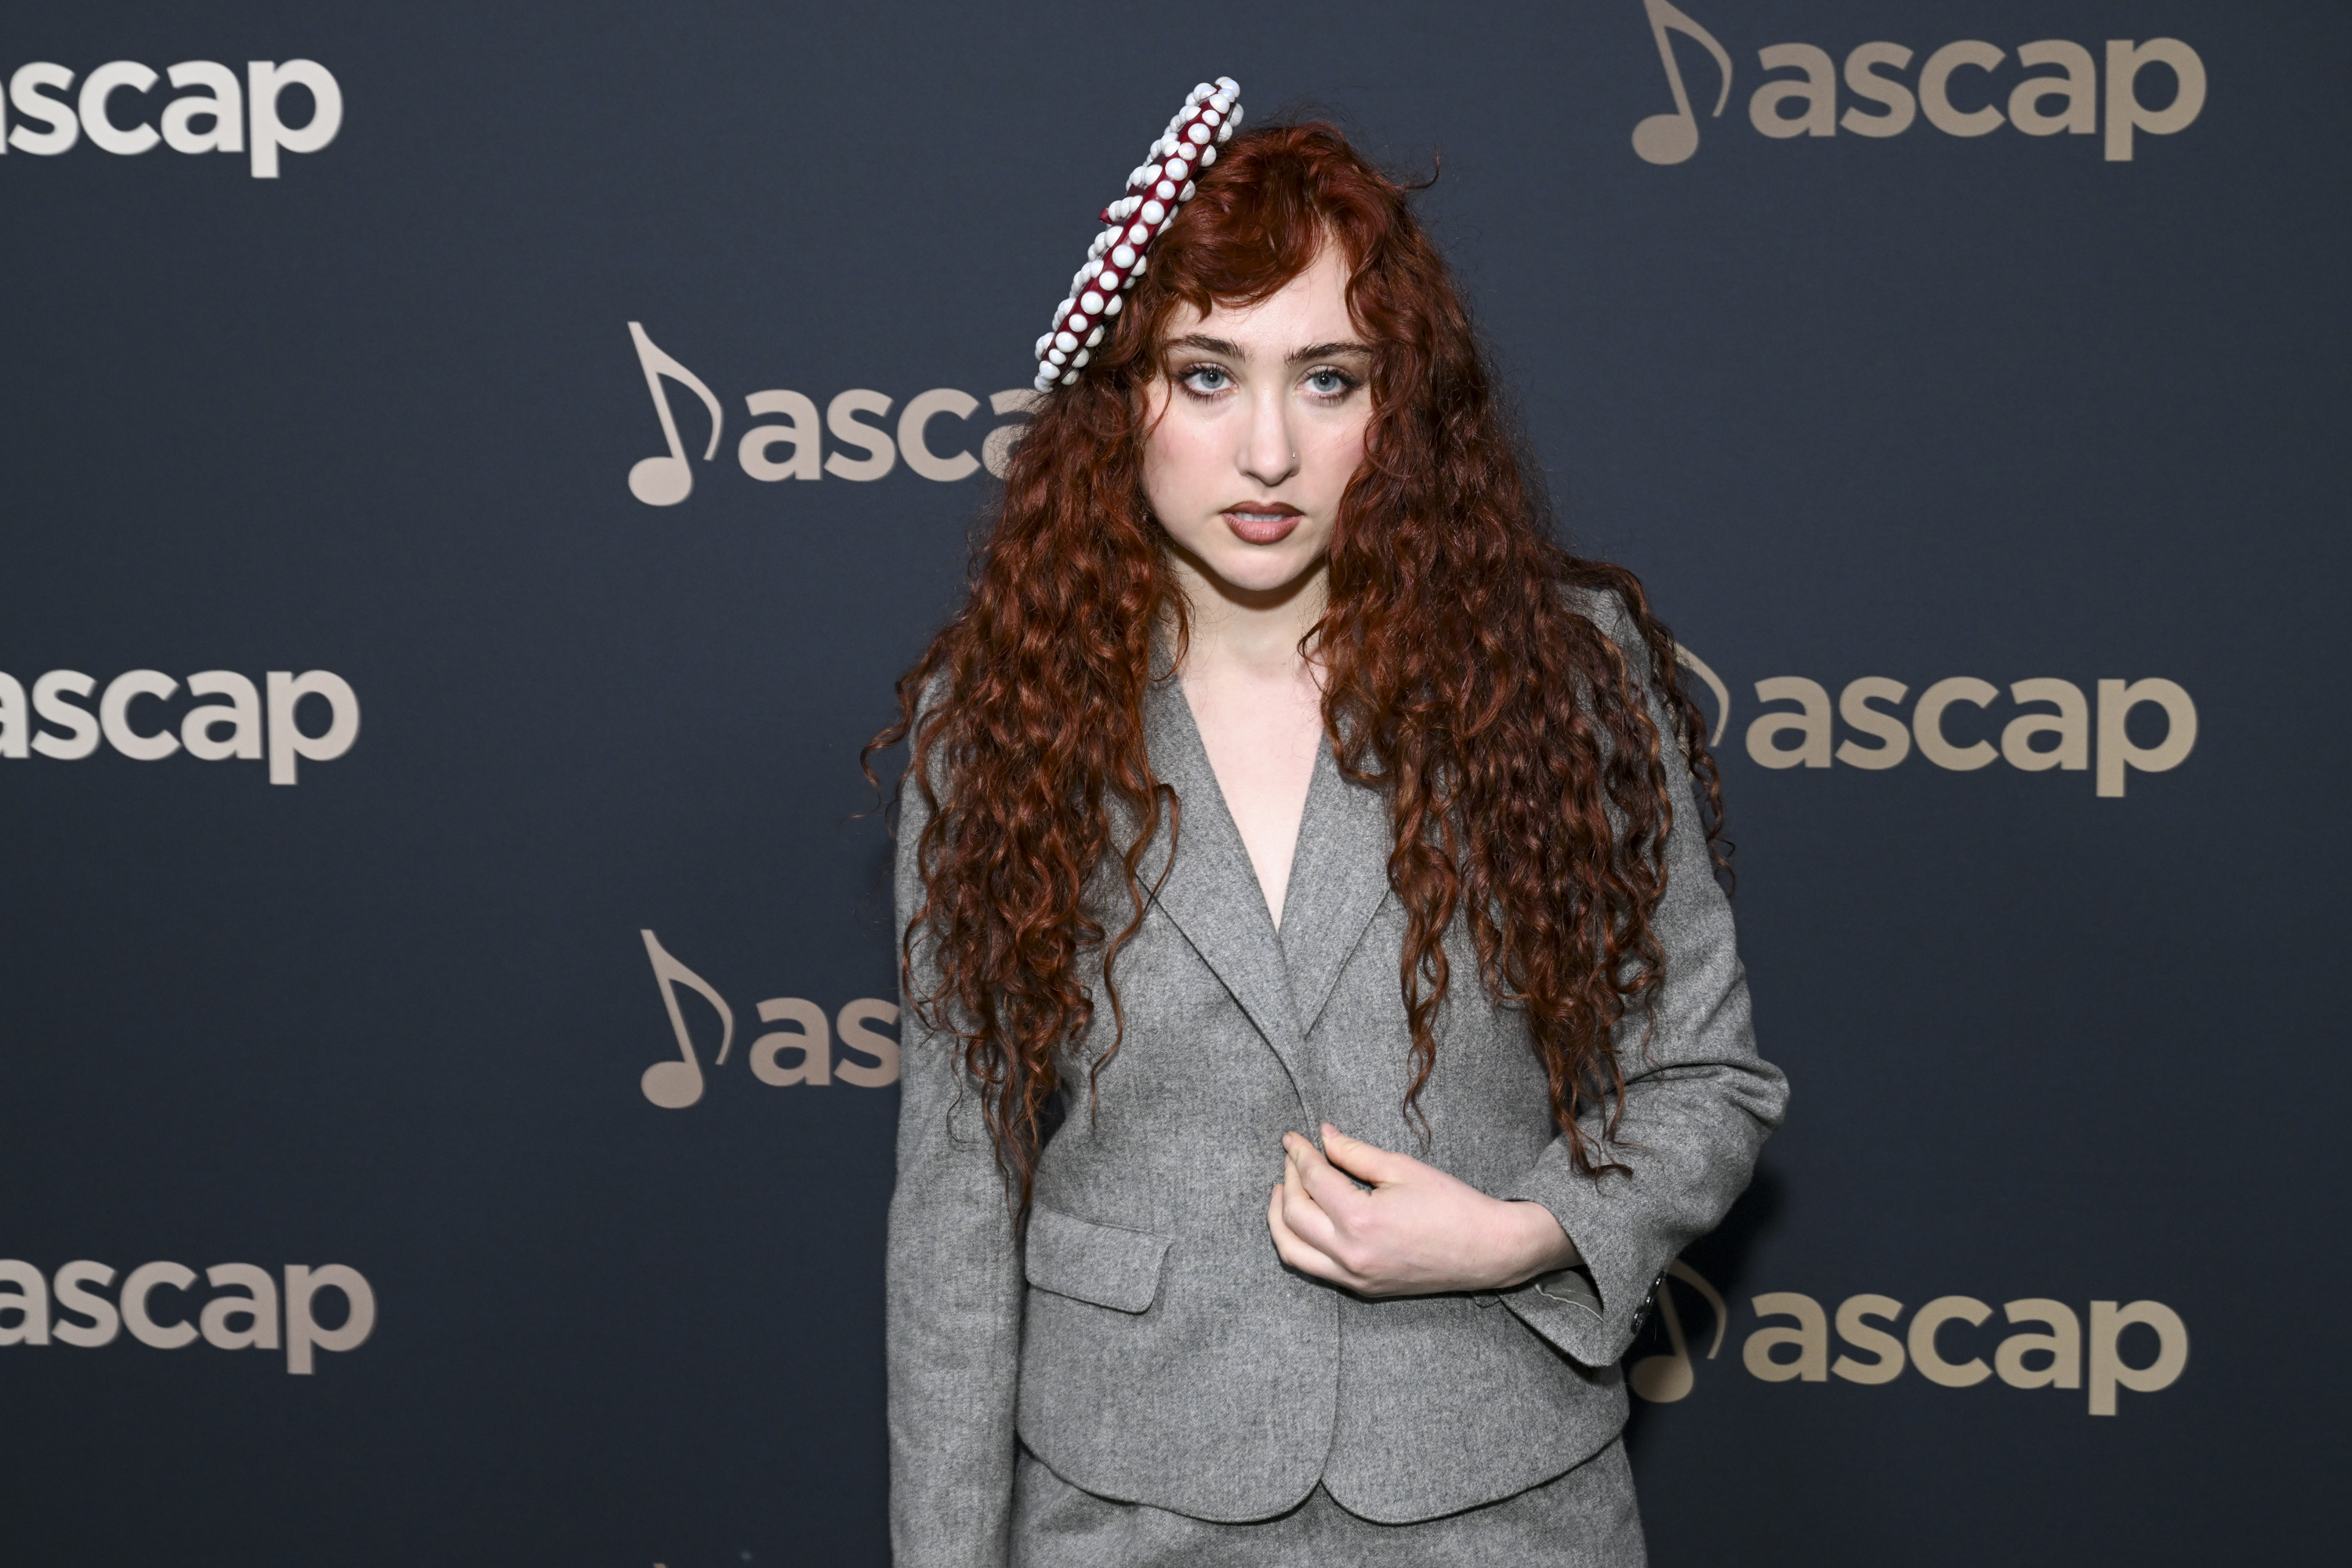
x=1211 y=890
x=1339 y=876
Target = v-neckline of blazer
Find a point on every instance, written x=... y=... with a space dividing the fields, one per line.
x=1338 y=875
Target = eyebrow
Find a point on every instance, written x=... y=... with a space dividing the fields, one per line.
x=1233 y=350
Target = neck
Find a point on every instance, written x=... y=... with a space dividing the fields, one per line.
x=1253 y=631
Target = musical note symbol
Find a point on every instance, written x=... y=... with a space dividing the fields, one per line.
x=666 y=482
x=1698 y=667
x=674 y=1085
x=1663 y=1379
x=1671 y=138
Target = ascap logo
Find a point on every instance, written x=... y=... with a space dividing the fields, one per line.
x=794 y=449
x=1959 y=89
x=156 y=1304
x=2054 y=727
x=229 y=729
x=2052 y=1359
x=800 y=1054
x=2054 y=1354
x=221 y=115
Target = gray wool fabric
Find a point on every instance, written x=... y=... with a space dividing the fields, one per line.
x=1146 y=1344
x=1584 y=1519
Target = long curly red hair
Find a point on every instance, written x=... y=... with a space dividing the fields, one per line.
x=1526 y=781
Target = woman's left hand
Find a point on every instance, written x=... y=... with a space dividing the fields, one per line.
x=1419 y=1232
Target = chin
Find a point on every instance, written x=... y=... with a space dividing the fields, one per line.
x=1264 y=572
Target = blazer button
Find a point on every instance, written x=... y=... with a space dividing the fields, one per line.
x=1642 y=1312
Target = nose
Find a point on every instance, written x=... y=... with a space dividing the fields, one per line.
x=1269 y=454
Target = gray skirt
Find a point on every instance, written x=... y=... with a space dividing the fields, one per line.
x=1584 y=1518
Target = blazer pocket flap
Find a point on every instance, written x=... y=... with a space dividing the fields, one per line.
x=1098 y=1263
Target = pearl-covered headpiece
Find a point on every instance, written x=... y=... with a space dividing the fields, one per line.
x=1115 y=260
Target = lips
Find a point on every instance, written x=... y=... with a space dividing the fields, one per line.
x=1269 y=522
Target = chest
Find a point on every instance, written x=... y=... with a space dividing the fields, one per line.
x=1261 y=741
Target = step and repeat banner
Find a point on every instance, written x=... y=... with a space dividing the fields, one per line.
x=472 y=475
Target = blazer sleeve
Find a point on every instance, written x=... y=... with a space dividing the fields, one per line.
x=1699 y=1102
x=953 y=1294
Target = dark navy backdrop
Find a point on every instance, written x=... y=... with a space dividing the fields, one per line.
x=1914 y=406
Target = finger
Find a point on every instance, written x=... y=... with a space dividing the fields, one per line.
x=1330 y=1189
x=1292 y=1250
x=1297 y=1146
x=1307 y=1219
x=1303 y=1163
x=1366 y=1162
x=1298 y=1199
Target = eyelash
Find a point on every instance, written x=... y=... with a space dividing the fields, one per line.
x=1347 y=383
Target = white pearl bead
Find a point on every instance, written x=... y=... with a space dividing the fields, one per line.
x=1210 y=116
x=1065 y=342
x=1090 y=303
x=1093 y=338
x=1114 y=306
x=1123 y=257
x=1188 y=188
x=1070 y=378
x=1200 y=134
x=1153 y=212
x=1164 y=189
x=1208 y=156
x=1044 y=341
x=1057 y=356
x=1080 y=357
x=1139 y=236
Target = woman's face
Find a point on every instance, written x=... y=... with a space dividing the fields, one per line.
x=1255 y=425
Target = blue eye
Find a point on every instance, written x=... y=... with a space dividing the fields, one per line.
x=1207 y=378
x=1330 y=382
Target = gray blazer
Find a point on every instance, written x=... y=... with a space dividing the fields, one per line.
x=1147 y=1344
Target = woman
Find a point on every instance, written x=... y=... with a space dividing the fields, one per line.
x=1324 y=1024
